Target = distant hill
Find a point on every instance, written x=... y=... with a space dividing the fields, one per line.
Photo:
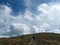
x=33 y=39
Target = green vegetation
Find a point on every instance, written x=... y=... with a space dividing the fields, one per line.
x=32 y=39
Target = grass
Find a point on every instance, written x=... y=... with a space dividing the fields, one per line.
x=38 y=39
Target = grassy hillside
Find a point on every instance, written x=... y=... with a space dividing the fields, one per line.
x=33 y=39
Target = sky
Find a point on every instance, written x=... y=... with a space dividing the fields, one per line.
x=22 y=17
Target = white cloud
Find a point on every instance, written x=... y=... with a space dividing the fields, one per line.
x=56 y=30
x=4 y=36
x=4 y=19
x=45 y=25
x=22 y=28
x=41 y=28
x=7 y=10
x=4 y=14
x=4 y=31
x=38 y=29
x=28 y=15
x=52 y=13
x=43 y=8
x=26 y=24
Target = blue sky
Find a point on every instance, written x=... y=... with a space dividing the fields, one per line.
x=16 y=5
x=21 y=17
x=20 y=5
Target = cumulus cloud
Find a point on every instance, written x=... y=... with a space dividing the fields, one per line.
x=21 y=28
x=28 y=15
x=4 y=14
x=55 y=30
x=50 y=14
x=4 y=17
x=47 y=18
x=51 y=11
